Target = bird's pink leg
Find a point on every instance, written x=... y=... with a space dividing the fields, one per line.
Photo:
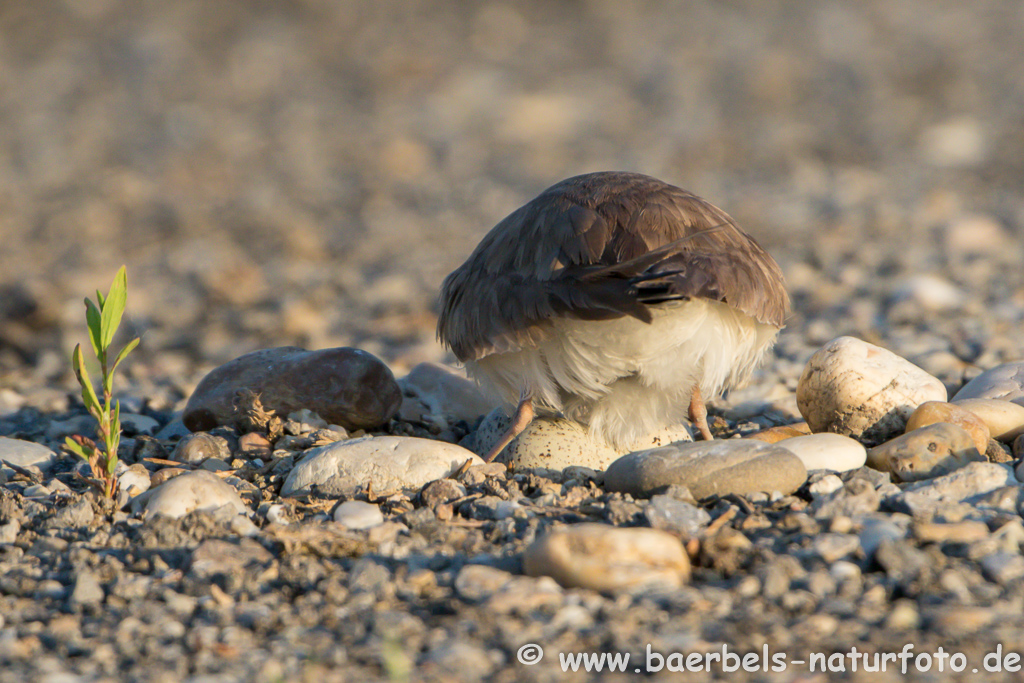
x=520 y=421
x=699 y=414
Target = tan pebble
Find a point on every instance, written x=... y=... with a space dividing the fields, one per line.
x=708 y=468
x=903 y=616
x=925 y=453
x=933 y=412
x=961 y=620
x=1005 y=420
x=997 y=452
x=160 y=476
x=254 y=445
x=962 y=532
x=603 y=557
x=776 y=434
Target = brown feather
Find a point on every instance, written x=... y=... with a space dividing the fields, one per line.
x=601 y=246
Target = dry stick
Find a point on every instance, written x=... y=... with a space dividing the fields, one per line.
x=721 y=521
x=462 y=469
x=32 y=476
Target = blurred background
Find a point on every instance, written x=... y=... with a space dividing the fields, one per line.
x=306 y=172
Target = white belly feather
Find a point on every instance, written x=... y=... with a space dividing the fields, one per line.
x=626 y=378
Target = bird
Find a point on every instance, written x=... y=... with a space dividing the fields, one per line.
x=616 y=300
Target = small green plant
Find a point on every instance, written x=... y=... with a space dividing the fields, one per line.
x=103 y=319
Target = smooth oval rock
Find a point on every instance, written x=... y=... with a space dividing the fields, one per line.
x=827 y=451
x=197 y=490
x=345 y=386
x=708 y=468
x=555 y=444
x=440 y=395
x=199 y=447
x=934 y=412
x=928 y=292
x=477 y=582
x=385 y=463
x=357 y=515
x=1004 y=382
x=27 y=454
x=1004 y=419
x=441 y=491
x=607 y=558
x=857 y=389
x=925 y=453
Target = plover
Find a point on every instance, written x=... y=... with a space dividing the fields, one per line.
x=616 y=300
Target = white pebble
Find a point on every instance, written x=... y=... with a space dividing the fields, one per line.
x=357 y=515
x=827 y=451
x=825 y=485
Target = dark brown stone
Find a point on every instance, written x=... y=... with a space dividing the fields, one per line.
x=344 y=386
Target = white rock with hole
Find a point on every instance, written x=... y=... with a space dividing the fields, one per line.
x=857 y=389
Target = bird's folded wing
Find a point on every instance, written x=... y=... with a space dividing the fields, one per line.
x=558 y=257
x=509 y=312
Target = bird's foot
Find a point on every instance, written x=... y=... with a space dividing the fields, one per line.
x=520 y=421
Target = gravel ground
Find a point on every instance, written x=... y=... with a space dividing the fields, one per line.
x=306 y=173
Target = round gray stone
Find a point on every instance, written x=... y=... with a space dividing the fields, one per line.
x=708 y=468
x=199 y=447
x=1004 y=382
x=26 y=453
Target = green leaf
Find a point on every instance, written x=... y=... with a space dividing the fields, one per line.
x=124 y=352
x=75 y=448
x=113 y=307
x=99 y=298
x=88 y=393
x=92 y=318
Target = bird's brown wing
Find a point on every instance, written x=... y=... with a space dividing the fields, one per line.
x=602 y=246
